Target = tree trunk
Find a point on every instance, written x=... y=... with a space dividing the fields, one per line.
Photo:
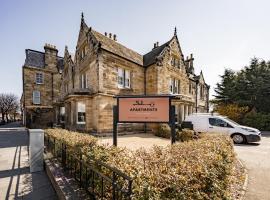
x=7 y=116
x=3 y=116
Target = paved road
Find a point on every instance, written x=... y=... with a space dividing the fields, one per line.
x=256 y=158
x=16 y=181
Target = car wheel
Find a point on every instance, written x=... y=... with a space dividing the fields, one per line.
x=238 y=139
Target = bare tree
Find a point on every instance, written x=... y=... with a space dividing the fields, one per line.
x=9 y=105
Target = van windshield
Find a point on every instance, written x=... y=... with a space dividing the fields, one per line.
x=231 y=121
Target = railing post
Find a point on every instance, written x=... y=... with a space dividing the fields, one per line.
x=80 y=169
x=113 y=186
x=54 y=147
x=129 y=189
x=115 y=121
x=172 y=116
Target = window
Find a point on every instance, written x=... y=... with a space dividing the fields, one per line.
x=175 y=62
x=84 y=81
x=80 y=113
x=36 y=97
x=39 y=78
x=202 y=92
x=66 y=88
x=123 y=78
x=218 y=122
x=62 y=114
x=174 y=85
x=171 y=85
x=127 y=78
x=190 y=87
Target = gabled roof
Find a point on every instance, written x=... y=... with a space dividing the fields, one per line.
x=37 y=59
x=117 y=48
x=150 y=57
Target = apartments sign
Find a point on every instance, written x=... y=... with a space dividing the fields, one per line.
x=144 y=109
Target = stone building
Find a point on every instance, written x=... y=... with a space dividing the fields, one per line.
x=81 y=96
x=41 y=86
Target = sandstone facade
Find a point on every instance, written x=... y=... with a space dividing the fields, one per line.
x=102 y=68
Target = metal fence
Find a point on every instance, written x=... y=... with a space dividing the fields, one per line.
x=100 y=180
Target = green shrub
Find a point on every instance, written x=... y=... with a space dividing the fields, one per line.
x=163 y=130
x=186 y=135
x=183 y=135
x=197 y=169
x=257 y=120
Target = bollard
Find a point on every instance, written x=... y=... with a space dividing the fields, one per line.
x=36 y=149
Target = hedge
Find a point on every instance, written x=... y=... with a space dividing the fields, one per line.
x=197 y=169
x=183 y=135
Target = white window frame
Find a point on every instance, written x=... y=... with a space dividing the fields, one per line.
x=120 y=77
x=84 y=81
x=176 y=86
x=62 y=113
x=81 y=108
x=39 y=78
x=127 y=78
x=36 y=97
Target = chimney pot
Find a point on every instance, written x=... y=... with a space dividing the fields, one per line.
x=105 y=34
x=157 y=44
x=191 y=55
x=110 y=35
x=114 y=37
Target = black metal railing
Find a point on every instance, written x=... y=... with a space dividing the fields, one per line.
x=99 y=179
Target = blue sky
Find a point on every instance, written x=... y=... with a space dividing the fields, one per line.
x=223 y=33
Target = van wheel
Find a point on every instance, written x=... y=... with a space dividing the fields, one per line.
x=238 y=138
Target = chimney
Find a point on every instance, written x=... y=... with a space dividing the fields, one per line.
x=114 y=37
x=191 y=60
x=105 y=34
x=110 y=35
x=50 y=56
x=157 y=44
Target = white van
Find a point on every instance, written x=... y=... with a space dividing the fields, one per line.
x=207 y=122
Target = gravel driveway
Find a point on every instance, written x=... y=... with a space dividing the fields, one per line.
x=256 y=158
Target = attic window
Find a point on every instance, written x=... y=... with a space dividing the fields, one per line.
x=175 y=62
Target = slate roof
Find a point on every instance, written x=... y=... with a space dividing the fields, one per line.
x=34 y=58
x=150 y=57
x=37 y=59
x=116 y=48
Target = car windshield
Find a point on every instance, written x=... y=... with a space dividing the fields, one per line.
x=231 y=121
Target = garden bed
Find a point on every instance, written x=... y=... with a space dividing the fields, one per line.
x=205 y=168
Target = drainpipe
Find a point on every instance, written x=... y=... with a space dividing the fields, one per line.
x=52 y=87
x=144 y=126
x=196 y=100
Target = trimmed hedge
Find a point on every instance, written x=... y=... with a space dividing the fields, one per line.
x=183 y=135
x=197 y=169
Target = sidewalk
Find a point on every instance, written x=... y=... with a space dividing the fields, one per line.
x=16 y=181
